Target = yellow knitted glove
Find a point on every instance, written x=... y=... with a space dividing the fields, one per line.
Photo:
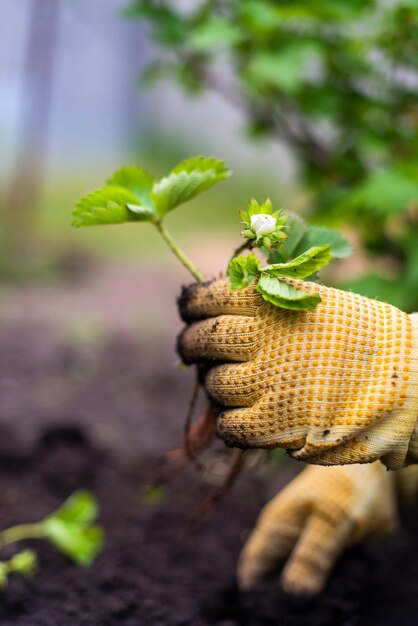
x=318 y=515
x=337 y=385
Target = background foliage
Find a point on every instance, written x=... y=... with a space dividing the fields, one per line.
x=338 y=83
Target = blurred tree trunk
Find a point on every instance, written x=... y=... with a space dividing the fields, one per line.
x=22 y=200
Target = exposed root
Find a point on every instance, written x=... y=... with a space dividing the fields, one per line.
x=210 y=501
x=197 y=437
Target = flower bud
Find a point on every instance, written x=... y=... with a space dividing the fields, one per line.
x=263 y=224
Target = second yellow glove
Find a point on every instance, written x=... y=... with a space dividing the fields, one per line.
x=314 y=519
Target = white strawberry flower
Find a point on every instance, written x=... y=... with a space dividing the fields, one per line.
x=263 y=224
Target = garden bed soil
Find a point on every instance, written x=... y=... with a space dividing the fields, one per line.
x=99 y=417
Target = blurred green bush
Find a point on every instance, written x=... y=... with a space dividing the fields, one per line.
x=336 y=80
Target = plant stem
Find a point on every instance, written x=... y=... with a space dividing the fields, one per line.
x=179 y=252
x=247 y=245
x=19 y=532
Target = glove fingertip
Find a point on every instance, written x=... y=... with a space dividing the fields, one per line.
x=187 y=295
x=247 y=578
x=302 y=588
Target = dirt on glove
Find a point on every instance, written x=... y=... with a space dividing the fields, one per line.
x=147 y=573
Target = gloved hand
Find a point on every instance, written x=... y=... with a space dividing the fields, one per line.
x=318 y=515
x=334 y=386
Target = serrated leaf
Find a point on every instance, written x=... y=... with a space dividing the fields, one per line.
x=282 y=295
x=136 y=180
x=81 y=508
x=320 y=235
x=105 y=206
x=243 y=270
x=186 y=181
x=302 y=266
x=203 y=164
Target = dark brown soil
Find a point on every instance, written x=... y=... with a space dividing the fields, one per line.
x=99 y=417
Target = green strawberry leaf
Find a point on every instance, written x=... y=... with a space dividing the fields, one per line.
x=243 y=270
x=143 y=213
x=284 y=296
x=136 y=180
x=107 y=206
x=320 y=235
x=187 y=180
x=303 y=265
x=296 y=228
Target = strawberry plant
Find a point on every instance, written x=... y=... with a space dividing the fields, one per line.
x=292 y=249
x=336 y=82
x=70 y=529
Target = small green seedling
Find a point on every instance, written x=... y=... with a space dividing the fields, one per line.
x=133 y=195
x=70 y=529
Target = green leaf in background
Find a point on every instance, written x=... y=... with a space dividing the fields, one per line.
x=214 y=33
x=283 y=295
x=302 y=266
x=81 y=543
x=186 y=181
x=301 y=237
x=136 y=180
x=383 y=289
x=169 y=24
x=332 y=79
x=243 y=270
x=321 y=235
x=81 y=508
x=386 y=192
x=105 y=206
x=288 y=67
